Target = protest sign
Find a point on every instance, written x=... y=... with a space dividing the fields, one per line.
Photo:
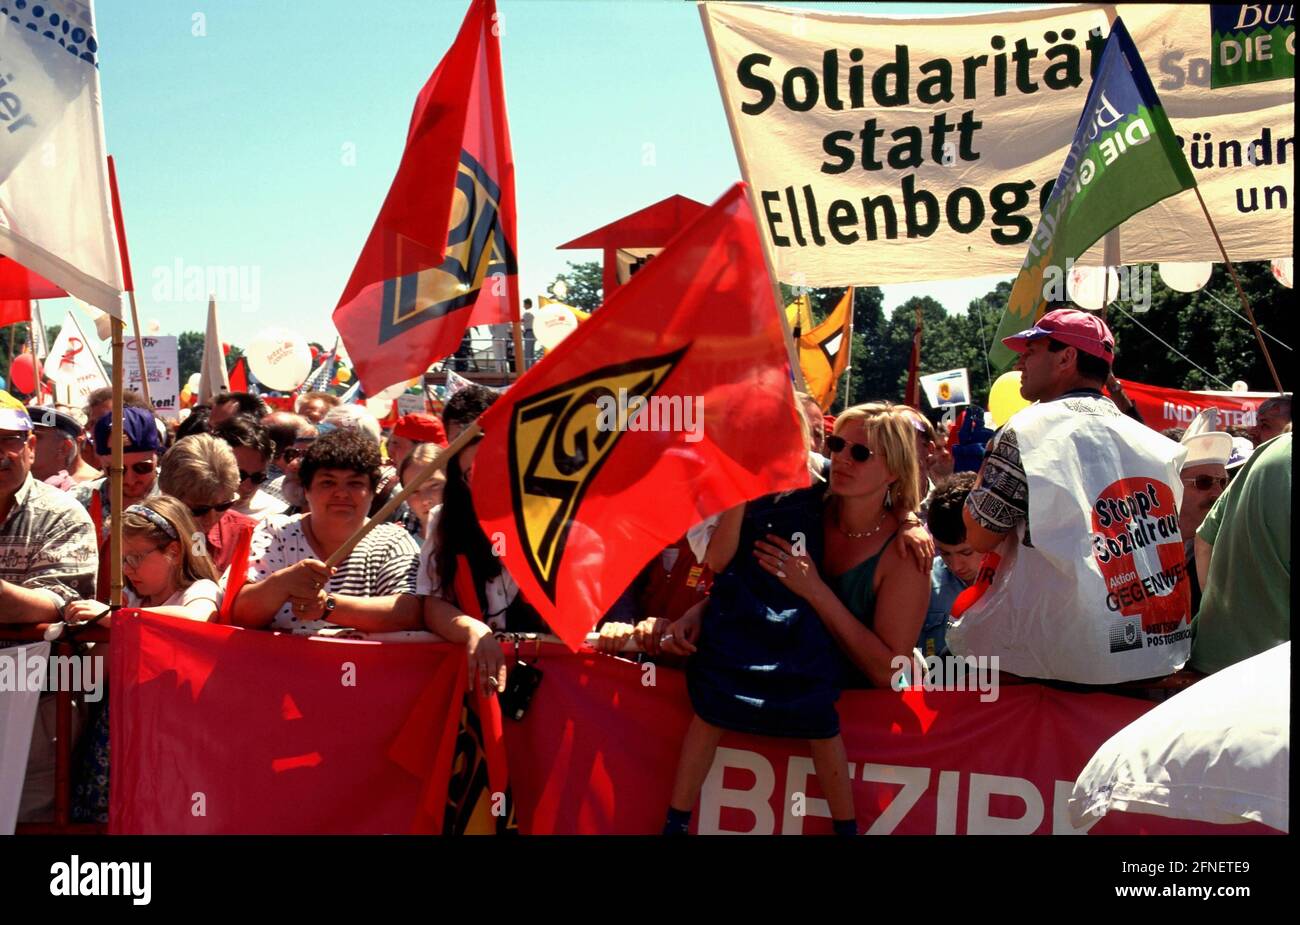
x=891 y=150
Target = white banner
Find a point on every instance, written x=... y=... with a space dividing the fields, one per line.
x=947 y=388
x=55 y=213
x=19 y=698
x=410 y=404
x=894 y=150
x=160 y=359
x=72 y=362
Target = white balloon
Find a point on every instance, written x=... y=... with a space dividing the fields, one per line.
x=397 y=388
x=1086 y=286
x=1186 y=277
x=1240 y=386
x=193 y=383
x=379 y=407
x=153 y=327
x=279 y=358
x=552 y=324
x=1282 y=270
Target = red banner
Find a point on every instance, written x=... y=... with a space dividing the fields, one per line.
x=597 y=750
x=1162 y=408
x=221 y=730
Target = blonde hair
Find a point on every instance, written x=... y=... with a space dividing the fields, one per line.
x=195 y=563
x=421 y=456
x=889 y=427
x=200 y=468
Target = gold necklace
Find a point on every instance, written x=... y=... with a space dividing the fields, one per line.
x=861 y=536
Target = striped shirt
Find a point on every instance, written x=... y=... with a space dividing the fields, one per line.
x=383 y=563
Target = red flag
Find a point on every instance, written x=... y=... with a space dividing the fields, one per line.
x=582 y=493
x=276 y=733
x=18 y=286
x=441 y=255
x=239 y=376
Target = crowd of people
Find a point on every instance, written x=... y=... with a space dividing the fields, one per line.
x=899 y=547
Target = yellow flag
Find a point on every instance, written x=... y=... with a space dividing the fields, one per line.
x=824 y=351
x=800 y=311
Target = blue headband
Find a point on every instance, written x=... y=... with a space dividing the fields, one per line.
x=154 y=518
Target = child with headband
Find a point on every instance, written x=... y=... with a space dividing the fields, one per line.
x=168 y=571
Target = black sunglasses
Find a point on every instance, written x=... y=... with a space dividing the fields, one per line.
x=142 y=468
x=858 y=451
x=203 y=509
x=292 y=453
x=257 y=478
x=1204 y=482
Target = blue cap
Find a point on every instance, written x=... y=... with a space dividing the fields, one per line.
x=139 y=435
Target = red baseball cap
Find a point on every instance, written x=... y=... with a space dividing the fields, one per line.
x=420 y=427
x=1071 y=327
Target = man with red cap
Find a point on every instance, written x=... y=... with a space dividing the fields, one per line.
x=1077 y=506
x=409 y=432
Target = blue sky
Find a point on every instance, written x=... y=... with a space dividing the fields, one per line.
x=263 y=135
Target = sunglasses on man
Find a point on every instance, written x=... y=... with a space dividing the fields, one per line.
x=144 y=467
x=1204 y=482
x=858 y=451
x=257 y=478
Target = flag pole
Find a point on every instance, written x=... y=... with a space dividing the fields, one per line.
x=1241 y=293
x=848 y=366
x=791 y=348
x=125 y=256
x=519 y=347
x=116 y=470
x=439 y=462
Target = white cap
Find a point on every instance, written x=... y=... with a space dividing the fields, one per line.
x=1205 y=444
x=1241 y=450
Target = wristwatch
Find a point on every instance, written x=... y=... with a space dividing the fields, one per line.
x=330 y=604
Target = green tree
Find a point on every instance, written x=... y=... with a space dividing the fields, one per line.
x=585 y=285
x=189 y=354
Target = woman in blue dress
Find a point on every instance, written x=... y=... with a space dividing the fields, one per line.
x=767 y=660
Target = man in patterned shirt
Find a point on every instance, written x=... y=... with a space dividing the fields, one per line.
x=48 y=555
x=48 y=558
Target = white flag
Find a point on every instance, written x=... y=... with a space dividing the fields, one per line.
x=55 y=213
x=213 y=377
x=947 y=388
x=72 y=362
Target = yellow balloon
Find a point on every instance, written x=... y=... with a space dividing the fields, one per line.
x=344 y=374
x=1005 y=398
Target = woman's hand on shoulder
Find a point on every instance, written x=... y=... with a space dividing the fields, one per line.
x=917 y=543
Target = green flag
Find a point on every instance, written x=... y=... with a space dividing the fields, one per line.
x=1124 y=159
